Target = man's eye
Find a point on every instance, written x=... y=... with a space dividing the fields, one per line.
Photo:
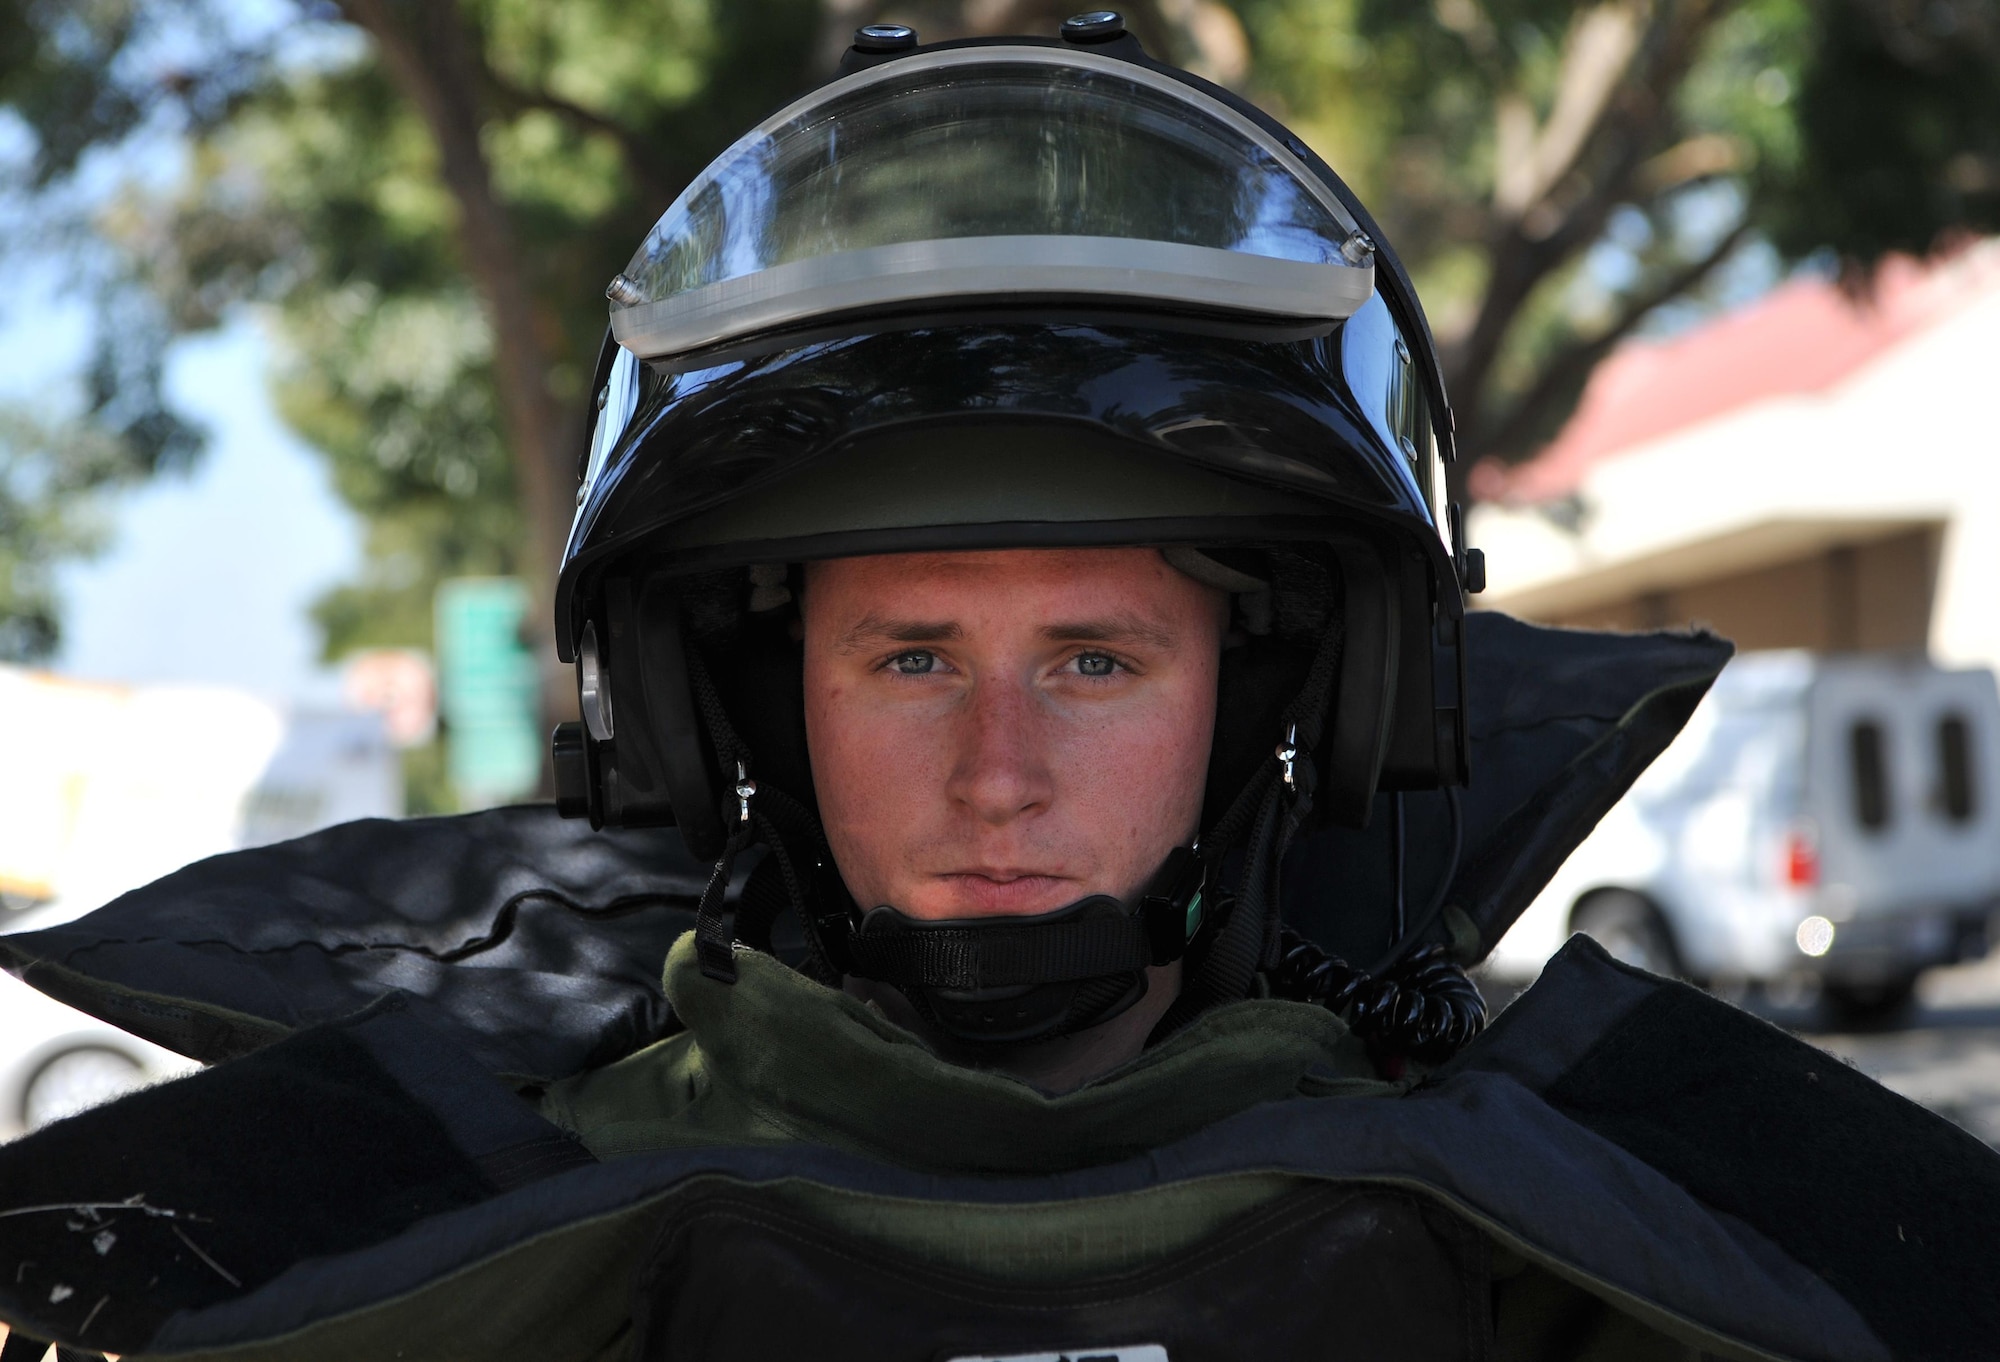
x=1096 y=664
x=914 y=664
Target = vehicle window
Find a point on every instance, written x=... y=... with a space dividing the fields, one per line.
x=1954 y=741
x=1866 y=744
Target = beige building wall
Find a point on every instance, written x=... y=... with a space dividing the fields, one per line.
x=1874 y=596
x=1867 y=512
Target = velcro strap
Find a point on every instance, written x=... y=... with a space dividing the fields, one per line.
x=998 y=954
x=20 y=1348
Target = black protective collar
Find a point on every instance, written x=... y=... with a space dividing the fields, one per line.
x=1012 y=980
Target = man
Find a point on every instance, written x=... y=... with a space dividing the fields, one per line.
x=1048 y=715
x=1009 y=557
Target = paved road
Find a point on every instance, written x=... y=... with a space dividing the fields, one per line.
x=1946 y=1055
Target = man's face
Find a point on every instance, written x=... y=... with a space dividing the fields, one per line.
x=1007 y=732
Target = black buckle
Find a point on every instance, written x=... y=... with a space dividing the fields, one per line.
x=1171 y=905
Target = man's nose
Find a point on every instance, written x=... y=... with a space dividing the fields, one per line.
x=1001 y=771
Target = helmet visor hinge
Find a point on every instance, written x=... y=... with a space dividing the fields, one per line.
x=1288 y=756
x=592 y=686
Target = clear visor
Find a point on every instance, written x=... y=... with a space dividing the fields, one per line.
x=992 y=173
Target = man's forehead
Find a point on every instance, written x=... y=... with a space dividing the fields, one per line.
x=1126 y=627
x=948 y=570
x=1107 y=595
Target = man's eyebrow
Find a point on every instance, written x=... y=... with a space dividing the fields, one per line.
x=870 y=630
x=1112 y=629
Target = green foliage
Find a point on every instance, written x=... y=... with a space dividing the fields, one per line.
x=56 y=79
x=1855 y=127
x=314 y=192
x=321 y=199
x=59 y=454
x=1902 y=103
x=71 y=88
x=43 y=471
x=398 y=394
x=427 y=785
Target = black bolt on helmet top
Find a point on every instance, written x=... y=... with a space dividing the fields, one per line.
x=1013 y=293
x=1096 y=26
x=885 y=38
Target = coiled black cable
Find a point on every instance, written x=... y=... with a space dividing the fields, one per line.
x=1424 y=1007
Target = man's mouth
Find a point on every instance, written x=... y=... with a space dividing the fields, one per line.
x=1011 y=891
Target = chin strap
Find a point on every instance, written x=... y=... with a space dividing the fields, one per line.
x=1092 y=937
x=1016 y=980
x=1260 y=822
x=1078 y=942
x=712 y=944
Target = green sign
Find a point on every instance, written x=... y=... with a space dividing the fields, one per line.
x=488 y=691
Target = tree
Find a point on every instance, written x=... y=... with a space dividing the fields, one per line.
x=430 y=210
x=432 y=214
x=426 y=198
x=1558 y=173
x=67 y=98
x=514 y=97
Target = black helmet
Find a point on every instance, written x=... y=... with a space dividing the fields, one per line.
x=1003 y=294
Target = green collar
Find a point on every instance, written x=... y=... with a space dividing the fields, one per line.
x=822 y=1066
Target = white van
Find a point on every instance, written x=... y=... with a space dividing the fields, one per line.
x=1836 y=816
x=109 y=787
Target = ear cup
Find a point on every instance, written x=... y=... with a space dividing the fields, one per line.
x=625 y=769
x=760 y=681
x=1355 y=736
x=667 y=699
x=1258 y=679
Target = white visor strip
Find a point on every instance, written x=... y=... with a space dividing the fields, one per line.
x=1112 y=269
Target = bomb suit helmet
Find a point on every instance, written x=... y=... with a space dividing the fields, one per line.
x=1012 y=293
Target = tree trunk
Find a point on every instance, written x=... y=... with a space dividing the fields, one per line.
x=1556 y=185
x=427 y=51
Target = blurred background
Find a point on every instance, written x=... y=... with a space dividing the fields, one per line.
x=301 y=300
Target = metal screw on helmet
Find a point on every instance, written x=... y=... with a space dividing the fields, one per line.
x=884 y=38
x=1096 y=26
x=624 y=292
x=1358 y=249
x=1288 y=755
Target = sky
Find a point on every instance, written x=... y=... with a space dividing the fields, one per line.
x=207 y=577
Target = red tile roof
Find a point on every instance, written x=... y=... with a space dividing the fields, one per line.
x=1802 y=337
